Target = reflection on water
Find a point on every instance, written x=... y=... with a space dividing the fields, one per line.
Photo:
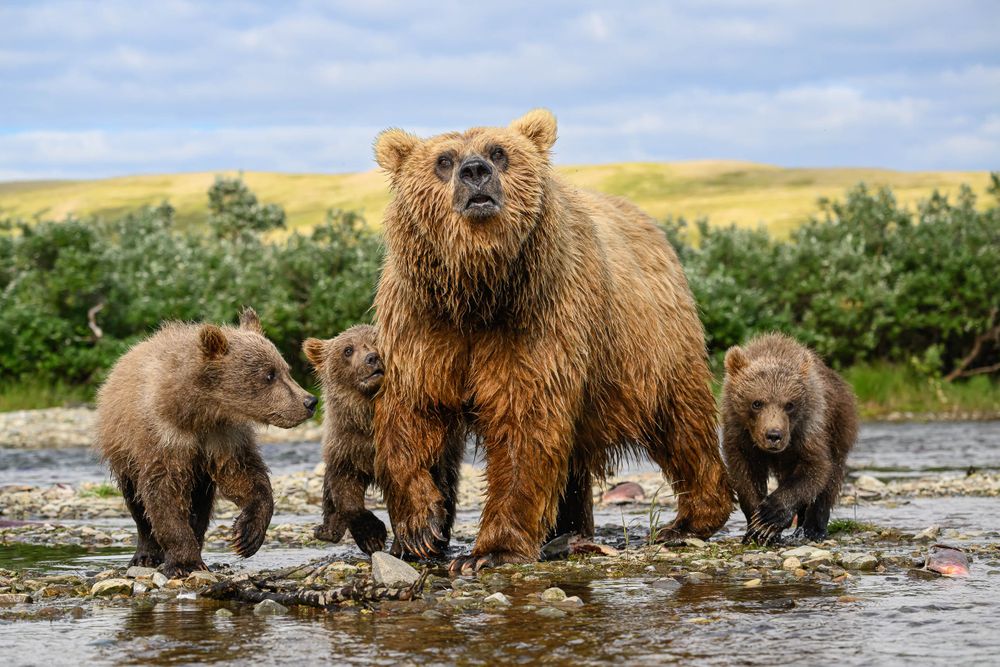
x=897 y=620
x=886 y=619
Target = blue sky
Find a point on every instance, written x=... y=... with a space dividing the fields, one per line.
x=98 y=89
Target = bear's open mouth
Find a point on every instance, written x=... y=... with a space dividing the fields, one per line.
x=480 y=202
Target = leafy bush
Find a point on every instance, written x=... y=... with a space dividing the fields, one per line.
x=864 y=282
x=126 y=276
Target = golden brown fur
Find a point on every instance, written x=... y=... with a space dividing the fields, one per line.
x=557 y=321
x=785 y=412
x=350 y=370
x=175 y=423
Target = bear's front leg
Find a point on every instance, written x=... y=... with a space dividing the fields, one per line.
x=797 y=489
x=241 y=476
x=167 y=502
x=408 y=443
x=528 y=444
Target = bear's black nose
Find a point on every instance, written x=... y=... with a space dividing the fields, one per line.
x=475 y=171
x=310 y=403
x=372 y=359
x=774 y=435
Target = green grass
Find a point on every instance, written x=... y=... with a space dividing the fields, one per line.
x=884 y=389
x=34 y=394
x=848 y=527
x=103 y=490
x=726 y=191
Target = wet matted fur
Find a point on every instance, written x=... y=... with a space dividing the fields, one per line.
x=175 y=424
x=557 y=322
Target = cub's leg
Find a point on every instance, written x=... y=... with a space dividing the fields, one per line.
x=202 y=500
x=576 y=506
x=241 y=476
x=166 y=498
x=148 y=552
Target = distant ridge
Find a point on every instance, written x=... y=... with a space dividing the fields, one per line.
x=727 y=191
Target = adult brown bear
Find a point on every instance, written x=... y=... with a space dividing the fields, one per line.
x=558 y=322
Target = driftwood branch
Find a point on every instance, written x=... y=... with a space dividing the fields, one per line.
x=92 y=320
x=963 y=370
x=253 y=591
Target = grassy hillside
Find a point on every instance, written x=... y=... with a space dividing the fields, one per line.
x=726 y=191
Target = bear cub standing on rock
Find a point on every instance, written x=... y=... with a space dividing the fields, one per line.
x=785 y=412
x=351 y=371
x=175 y=422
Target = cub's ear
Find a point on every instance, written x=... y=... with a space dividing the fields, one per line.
x=315 y=351
x=805 y=366
x=392 y=147
x=539 y=126
x=736 y=361
x=250 y=321
x=213 y=342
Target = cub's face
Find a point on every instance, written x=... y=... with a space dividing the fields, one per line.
x=768 y=396
x=483 y=185
x=246 y=375
x=350 y=361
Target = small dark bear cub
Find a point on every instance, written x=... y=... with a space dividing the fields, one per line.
x=351 y=372
x=785 y=413
x=175 y=424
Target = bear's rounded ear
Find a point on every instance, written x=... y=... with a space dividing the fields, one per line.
x=392 y=147
x=213 y=342
x=805 y=365
x=314 y=349
x=736 y=361
x=250 y=321
x=539 y=126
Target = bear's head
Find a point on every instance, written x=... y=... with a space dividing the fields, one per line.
x=348 y=362
x=772 y=396
x=473 y=196
x=244 y=375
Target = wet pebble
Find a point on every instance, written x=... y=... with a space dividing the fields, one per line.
x=223 y=613
x=553 y=595
x=269 y=608
x=110 y=587
x=551 y=612
x=498 y=599
x=387 y=570
x=859 y=561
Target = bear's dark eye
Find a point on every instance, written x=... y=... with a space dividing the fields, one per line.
x=756 y=405
x=442 y=167
x=271 y=374
x=444 y=162
x=348 y=351
x=497 y=154
x=789 y=407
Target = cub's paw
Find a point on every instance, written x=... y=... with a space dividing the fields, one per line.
x=767 y=522
x=249 y=530
x=176 y=569
x=475 y=562
x=369 y=532
x=331 y=530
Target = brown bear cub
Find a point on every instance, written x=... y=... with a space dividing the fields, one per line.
x=351 y=371
x=785 y=412
x=175 y=423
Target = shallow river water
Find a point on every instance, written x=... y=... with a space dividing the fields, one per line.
x=873 y=619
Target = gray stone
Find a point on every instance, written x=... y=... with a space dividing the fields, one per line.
x=859 y=561
x=224 y=613
x=160 y=579
x=498 y=599
x=14 y=598
x=551 y=612
x=392 y=572
x=137 y=572
x=928 y=534
x=572 y=601
x=110 y=587
x=553 y=595
x=269 y=608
